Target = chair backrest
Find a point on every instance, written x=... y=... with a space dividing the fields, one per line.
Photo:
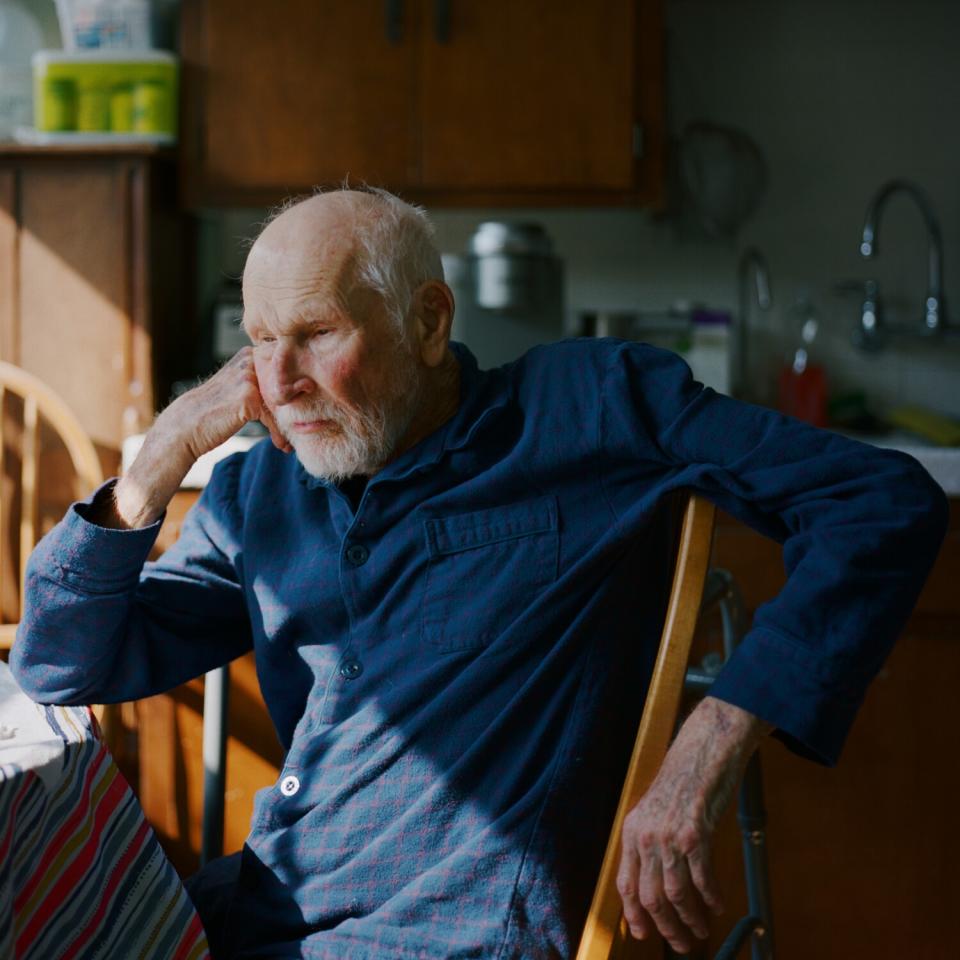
x=40 y=405
x=605 y=928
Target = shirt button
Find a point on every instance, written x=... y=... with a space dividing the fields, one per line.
x=351 y=669
x=357 y=554
x=289 y=786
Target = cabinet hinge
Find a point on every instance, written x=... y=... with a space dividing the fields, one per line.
x=637 y=140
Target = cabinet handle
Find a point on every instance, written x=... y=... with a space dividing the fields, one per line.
x=394 y=17
x=441 y=20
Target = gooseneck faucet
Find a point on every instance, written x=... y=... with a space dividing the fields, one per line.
x=751 y=257
x=934 y=315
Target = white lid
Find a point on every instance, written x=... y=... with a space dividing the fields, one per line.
x=102 y=55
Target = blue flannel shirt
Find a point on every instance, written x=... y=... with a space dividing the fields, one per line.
x=456 y=665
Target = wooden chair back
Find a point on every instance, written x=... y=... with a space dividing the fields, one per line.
x=41 y=406
x=605 y=930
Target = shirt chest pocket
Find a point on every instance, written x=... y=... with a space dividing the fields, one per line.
x=485 y=570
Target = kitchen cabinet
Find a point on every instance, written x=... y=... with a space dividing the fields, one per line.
x=459 y=102
x=862 y=856
x=90 y=277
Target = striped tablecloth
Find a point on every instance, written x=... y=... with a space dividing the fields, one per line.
x=81 y=873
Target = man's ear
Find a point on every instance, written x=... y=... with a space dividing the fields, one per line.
x=433 y=308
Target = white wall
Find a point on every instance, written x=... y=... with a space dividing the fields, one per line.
x=840 y=95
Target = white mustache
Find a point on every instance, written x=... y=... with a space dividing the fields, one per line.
x=287 y=416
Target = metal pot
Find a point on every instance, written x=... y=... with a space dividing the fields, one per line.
x=513 y=268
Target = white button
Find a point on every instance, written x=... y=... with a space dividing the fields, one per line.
x=289 y=786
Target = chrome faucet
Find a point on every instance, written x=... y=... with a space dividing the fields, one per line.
x=751 y=257
x=934 y=312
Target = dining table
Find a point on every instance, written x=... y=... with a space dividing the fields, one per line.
x=82 y=874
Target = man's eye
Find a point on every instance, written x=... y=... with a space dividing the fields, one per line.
x=265 y=338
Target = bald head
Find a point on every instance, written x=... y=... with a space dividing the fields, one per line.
x=319 y=227
x=348 y=238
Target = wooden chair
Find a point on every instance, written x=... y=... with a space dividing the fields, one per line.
x=605 y=933
x=605 y=930
x=40 y=405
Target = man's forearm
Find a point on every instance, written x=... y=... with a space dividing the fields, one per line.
x=195 y=423
x=710 y=751
x=718 y=733
x=144 y=492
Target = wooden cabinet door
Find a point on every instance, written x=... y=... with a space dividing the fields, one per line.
x=297 y=93
x=79 y=322
x=527 y=96
x=462 y=101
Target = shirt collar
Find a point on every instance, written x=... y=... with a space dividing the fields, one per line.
x=483 y=393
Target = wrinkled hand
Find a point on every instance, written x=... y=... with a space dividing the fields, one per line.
x=214 y=411
x=195 y=423
x=666 y=878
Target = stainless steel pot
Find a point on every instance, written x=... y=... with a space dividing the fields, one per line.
x=513 y=268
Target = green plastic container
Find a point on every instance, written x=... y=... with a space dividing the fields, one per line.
x=104 y=91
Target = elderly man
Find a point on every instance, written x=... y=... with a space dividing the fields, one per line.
x=453 y=582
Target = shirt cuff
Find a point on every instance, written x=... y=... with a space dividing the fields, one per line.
x=96 y=558
x=776 y=679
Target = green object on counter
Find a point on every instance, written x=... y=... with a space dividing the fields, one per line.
x=148 y=107
x=93 y=106
x=121 y=108
x=105 y=91
x=61 y=104
x=927 y=424
x=851 y=411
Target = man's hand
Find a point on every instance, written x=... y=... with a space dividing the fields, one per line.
x=195 y=423
x=666 y=878
x=201 y=419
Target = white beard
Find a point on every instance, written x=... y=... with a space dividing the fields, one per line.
x=363 y=439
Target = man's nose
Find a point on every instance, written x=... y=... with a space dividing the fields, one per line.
x=287 y=379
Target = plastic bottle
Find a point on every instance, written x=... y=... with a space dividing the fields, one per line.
x=802 y=383
x=99 y=24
